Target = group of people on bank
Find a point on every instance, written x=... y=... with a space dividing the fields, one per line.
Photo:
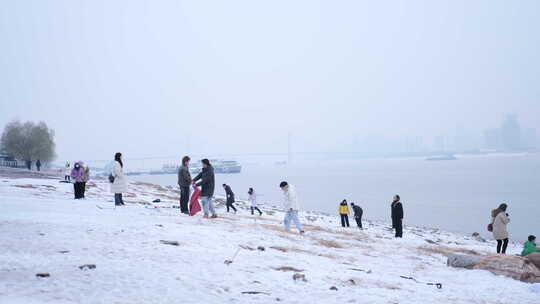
x=206 y=181
x=396 y=213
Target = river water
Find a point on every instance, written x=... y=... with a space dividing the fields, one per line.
x=455 y=195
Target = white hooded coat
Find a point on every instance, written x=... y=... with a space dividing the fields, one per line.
x=120 y=183
x=290 y=199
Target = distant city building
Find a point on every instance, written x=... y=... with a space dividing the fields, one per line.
x=510 y=136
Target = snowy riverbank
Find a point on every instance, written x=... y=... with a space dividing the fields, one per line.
x=43 y=230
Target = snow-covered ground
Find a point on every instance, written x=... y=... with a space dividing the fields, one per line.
x=43 y=230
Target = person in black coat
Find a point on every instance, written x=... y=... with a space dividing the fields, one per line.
x=230 y=197
x=397 y=216
x=38 y=165
x=207 y=192
x=184 y=181
x=358 y=212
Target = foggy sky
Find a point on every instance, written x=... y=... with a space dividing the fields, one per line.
x=146 y=77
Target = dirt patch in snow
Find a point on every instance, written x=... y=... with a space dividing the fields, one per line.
x=288 y=268
x=444 y=250
x=25 y=186
x=329 y=243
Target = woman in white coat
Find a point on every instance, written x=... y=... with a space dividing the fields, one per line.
x=119 y=185
x=500 y=233
x=253 y=201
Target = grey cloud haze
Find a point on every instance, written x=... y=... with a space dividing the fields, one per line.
x=235 y=76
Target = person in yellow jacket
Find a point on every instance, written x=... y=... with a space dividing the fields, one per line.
x=344 y=213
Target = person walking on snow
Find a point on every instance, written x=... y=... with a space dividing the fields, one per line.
x=358 y=212
x=38 y=165
x=86 y=178
x=499 y=220
x=397 y=215
x=208 y=183
x=230 y=197
x=184 y=182
x=344 y=212
x=253 y=201
x=67 y=174
x=530 y=246
x=77 y=174
x=119 y=185
x=291 y=207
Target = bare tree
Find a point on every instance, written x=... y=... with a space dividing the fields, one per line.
x=29 y=141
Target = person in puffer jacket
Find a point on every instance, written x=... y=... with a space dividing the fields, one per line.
x=500 y=219
x=290 y=206
x=77 y=176
x=344 y=213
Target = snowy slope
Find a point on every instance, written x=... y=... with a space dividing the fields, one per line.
x=40 y=221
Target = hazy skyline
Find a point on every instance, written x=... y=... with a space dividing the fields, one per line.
x=145 y=77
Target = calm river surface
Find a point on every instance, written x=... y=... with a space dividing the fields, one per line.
x=453 y=195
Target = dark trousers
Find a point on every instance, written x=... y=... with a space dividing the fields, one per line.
x=344 y=220
x=358 y=221
x=83 y=189
x=38 y=167
x=67 y=178
x=397 y=224
x=230 y=205
x=118 y=199
x=503 y=244
x=256 y=208
x=78 y=190
x=184 y=199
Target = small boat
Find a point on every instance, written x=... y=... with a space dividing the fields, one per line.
x=442 y=157
x=220 y=166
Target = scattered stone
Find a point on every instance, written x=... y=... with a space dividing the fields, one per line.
x=477 y=237
x=247 y=247
x=87 y=266
x=43 y=275
x=255 y=282
x=255 y=292
x=333 y=288
x=311 y=218
x=159 y=225
x=362 y=270
x=41 y=233
x=430 y=241
x=462 y=260
x=63 y=251
x=261 y=248
x=174 y=243
x=299 y=277
x=157 y=200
